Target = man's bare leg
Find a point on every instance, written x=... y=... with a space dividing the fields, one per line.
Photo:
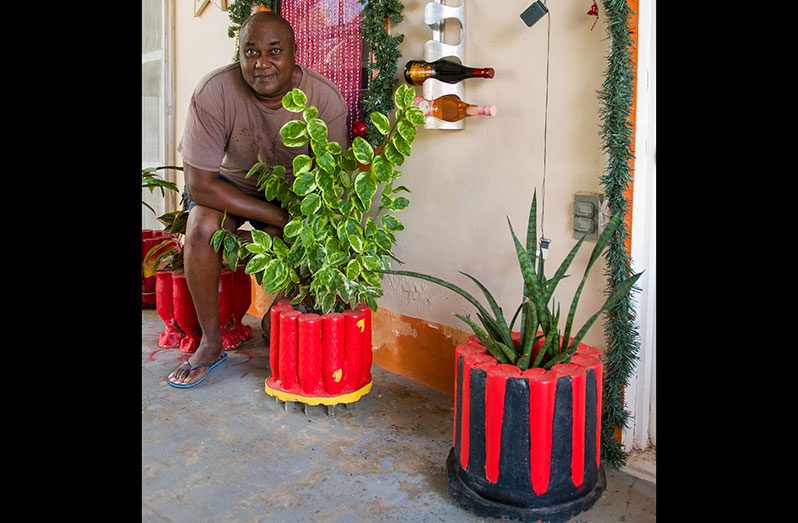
x=203 y=267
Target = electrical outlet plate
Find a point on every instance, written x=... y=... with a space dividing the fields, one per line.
x=588 y=215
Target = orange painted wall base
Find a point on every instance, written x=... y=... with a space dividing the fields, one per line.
x=419 y=349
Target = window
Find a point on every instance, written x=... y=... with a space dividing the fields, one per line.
x=156 y=103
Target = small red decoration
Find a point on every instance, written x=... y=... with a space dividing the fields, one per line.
x=593 y=12
x=359 y=128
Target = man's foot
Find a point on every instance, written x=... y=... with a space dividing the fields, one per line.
x=194 y=370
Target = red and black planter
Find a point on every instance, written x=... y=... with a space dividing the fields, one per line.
x=526 y=444
x=319 y=359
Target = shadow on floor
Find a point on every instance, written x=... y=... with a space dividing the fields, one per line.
x=225 y=451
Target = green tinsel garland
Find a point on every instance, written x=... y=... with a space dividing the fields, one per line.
x=239 y=11
x=620 y=328
x=379 y=95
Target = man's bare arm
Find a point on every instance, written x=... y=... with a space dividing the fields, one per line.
x=209 y=191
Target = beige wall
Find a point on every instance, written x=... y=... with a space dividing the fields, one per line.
x=465 y=182
x=201 y=45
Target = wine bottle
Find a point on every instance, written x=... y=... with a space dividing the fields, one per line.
x=416 y=71
x=451 y=108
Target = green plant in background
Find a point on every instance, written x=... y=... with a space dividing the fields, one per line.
x=239 y=11
x=169 y=253
x=152 y=181
x=535 y=307
x=332 y=249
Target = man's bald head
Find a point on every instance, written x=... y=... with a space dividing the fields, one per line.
x=265 y=17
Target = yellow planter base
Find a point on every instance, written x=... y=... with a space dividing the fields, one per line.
x=349 y=397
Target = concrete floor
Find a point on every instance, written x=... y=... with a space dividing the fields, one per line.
x=225 y=451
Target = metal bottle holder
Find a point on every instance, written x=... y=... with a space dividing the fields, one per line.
x=435 y=13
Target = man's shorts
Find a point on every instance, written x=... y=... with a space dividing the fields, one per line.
x=189 y=204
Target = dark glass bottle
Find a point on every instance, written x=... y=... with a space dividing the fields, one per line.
x=416 y=71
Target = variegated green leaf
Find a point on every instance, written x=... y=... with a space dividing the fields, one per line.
x=305 y=183
x=293 y=130
x=279 y=247
x=392 y=223
x=317 y=130
x=254 y=248
x=302 y=164
x=382 y=168
x=383 y=240
x=407 y=130
x=381 y=122
x=352 y=270
x=257 y=263
x=370 y=229
x=371 y=263
x=366 y=188
x=362 y=150
x=216 y=239
x=400 y=203
x=295 y=142
x=393 y=155
x=415 y=116
x=295 y=100
x=401 y=145
x=292 y=228
x=310 y=204
x=327 y=162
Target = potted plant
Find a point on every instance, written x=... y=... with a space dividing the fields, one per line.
x=331 y=251
x=150 y=238
x=174 y=303
x=527 y=424
x=161 y=263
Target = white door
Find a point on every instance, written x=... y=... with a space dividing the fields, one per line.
x=640 y=394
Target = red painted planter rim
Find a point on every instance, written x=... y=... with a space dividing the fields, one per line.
x=586 y=357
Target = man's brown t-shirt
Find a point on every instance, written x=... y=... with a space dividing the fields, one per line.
x=227 y=127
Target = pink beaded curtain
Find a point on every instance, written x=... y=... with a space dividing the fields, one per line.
x=328 y=40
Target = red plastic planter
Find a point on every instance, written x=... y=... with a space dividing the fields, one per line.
x=176 y=308
x=164 y=304
x=186 y=316
x=319 y=359
x=149 y=239
x=526 y=445
x=238 y=332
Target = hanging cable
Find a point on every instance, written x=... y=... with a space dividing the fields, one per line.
x=545 y=130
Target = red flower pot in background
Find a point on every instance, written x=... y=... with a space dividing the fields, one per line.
x=186 y=316
x=176 y=308
x=227 y=298
x=149 y=239
x=243 y=299
x=164 y=304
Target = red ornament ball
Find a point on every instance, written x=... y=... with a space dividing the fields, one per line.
x=359 y=128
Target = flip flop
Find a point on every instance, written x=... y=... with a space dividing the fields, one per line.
x=210 y=366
